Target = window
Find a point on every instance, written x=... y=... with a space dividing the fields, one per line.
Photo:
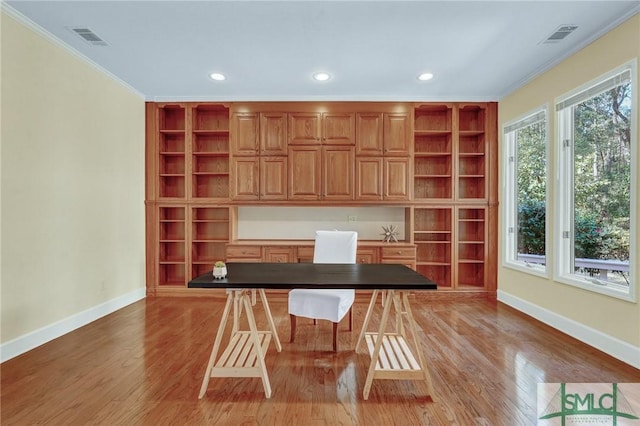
x=526 y=192
x=596 y=138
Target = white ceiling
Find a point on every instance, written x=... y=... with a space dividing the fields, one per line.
x=477 y=50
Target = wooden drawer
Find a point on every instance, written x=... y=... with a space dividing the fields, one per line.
x=410 y=263
x=278 y=254
x=367 y=255
x=246 y=252
x=398 y=252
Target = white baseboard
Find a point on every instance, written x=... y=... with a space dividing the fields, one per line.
x=610 y=345
x=45 y=334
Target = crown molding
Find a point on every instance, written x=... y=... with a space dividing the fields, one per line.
x=13 y=13
x=549 y=65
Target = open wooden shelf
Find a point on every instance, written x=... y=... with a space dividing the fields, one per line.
x=172 y=250
x=209 y=238
x=210 y=151
x=172 y=159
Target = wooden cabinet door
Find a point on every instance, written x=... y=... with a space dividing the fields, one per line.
x=304 y=128
x=369 y=134
x=244 y=175
x=337 y=172
x=338 y=129
x=396 y=178
x=273 y=133
x=304 y=254
x=367 y=255
x=273 y=178
x=245 y=134
x=397 y=135
x=369 y=174
x=304 y=171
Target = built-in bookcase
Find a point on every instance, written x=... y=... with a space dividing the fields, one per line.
x=433 y=237
x=210 y=235
x=451 y=160
x=210 y=150
x=172 y=246
x=471 y=247
x=433 y=152
x=172 y=152
x=471 y=153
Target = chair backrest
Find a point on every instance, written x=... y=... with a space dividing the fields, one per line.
x=335 y=247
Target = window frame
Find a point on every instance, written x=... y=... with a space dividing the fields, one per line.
x=564 y=186
x=510 y=205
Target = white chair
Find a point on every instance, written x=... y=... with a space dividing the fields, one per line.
x=329 y=304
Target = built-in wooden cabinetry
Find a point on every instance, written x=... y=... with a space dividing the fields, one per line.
x=383 y=149
x=437 y=160
x=455 y=194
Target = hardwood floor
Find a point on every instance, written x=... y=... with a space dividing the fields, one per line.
x=144 y=364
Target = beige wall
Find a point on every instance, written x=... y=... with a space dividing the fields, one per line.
x=613 y=317
x=72 y=184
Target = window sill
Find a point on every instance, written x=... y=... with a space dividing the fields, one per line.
x=611 y=290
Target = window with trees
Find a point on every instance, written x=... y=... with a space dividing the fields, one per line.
x=525 y=207
x=596 y=163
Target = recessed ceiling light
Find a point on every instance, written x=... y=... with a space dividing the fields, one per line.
x=321 y=76
x=217 y=76
x=425 y=76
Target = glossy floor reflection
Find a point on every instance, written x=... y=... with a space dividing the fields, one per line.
x=144 y=364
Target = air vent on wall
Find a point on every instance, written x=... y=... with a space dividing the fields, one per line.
x=560 y=33
x=88 y=35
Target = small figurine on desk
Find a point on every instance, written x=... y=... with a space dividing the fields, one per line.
x=219 y=270
x=390 y=234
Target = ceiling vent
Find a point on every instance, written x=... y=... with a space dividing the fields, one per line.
x=88 y=35
x=560 y=33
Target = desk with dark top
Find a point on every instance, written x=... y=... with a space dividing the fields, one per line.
x=391 y=356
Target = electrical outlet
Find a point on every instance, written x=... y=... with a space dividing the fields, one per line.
x=351 y=219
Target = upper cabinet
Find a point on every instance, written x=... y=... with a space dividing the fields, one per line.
x=258 y=160
x=369 y=134
x=338 y=128
x=314 y=128
x=397 y=135
x=321 y=173
x=245 y=136
x=273 y=133
x=304 y=128
x=383 y=147
x=384 y=134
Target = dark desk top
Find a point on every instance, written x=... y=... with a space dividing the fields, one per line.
x=316 y=275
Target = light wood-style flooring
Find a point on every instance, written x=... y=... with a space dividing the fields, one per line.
x=144 y=364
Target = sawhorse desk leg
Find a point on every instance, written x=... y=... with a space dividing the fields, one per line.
x=244 y=356
x=391 y=356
